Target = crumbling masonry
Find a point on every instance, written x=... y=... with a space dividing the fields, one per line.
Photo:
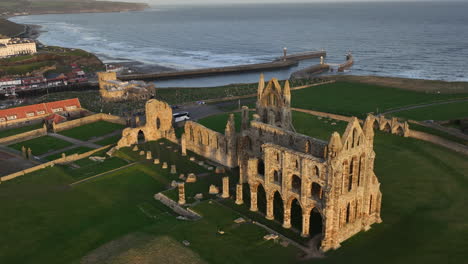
x=333 y=183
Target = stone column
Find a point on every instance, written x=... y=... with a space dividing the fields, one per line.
x=23 y=151
x=239 y=194
x=181 y=187
x=287 y=215
x=253 y=198
x=305 y=223
x=183 y=144
x=225 y=187
x=30 y=155
x=269 y=210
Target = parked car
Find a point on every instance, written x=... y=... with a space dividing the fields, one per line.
x=182 y=116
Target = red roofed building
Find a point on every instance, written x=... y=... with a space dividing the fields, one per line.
x=26 y=114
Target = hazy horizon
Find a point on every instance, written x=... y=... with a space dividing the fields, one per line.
x=199 y=2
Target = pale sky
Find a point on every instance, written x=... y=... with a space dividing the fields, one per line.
x=272 y=1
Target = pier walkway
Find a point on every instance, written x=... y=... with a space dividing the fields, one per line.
x=284 y=62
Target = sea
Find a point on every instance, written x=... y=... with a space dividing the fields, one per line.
x=425 y=40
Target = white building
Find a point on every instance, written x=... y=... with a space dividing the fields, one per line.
x=16 y=46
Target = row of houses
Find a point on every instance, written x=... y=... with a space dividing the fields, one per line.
x=77 y=75
x=57 y=111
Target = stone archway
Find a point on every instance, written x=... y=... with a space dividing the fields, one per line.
x=316 y=222
x=387 y=128
x=141 y=139
x=278 y=207
x=376 y=124
x=261 y=199
x=296 y=214
x=400 y=131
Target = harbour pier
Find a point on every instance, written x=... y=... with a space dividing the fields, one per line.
x=284 y=62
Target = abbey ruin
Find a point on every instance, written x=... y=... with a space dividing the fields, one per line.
x=332 y=183
x=112 y=89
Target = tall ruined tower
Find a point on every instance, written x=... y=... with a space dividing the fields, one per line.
x=274 y=103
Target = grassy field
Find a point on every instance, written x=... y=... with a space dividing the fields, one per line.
x=42 y=145
x=423 y=210
x=354 y=99
x=19 y=130
x=437 y=112
x=77 y=150
x=92 y=130
x=419 y=85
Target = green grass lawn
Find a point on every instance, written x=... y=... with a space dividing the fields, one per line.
x=437 y=112
x=354 y=99
x=77 y=150
x=19 y=130
x=109 y=140
x=92 y=130
x=424 y=209
x=42 y=145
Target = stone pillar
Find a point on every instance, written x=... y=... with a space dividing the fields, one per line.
x=253 y=198
x=245 y=118
x=181 y=187
x=269 y=210
x=225 y=187
x=287 y=215
x=23 y=151
x=149 y=155
x=305 y=223
x=30 y=155
x=239 y=194
x=183 y=144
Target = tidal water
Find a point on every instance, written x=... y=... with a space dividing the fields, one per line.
x=413 y=40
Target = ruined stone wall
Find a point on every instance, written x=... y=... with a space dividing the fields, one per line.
x=260 y=133
x=24 y=136
x=158 y=125
x=210 y=144
x=339 y=185
x=87 y=120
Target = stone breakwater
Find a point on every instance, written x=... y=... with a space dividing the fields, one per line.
x=281 y=63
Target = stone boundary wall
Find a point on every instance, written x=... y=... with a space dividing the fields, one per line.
x=87 y=120
x=24 y=136
x=323 y=114
x=176 y=207
x=439 y=141
x=64 y=160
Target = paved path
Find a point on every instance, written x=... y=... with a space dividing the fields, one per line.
x=104 y=173
x=115 y=133
x=75 y=141
x=424 y=105
x=59 y=151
